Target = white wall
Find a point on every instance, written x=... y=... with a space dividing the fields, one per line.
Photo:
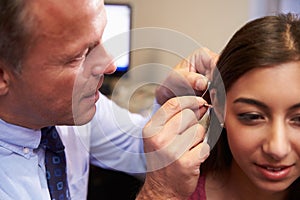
x=209 y=22
x=260 y=8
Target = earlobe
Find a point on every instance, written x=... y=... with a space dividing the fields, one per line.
x=218 y=108
x=4 y=82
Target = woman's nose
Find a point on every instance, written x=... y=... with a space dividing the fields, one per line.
x=277 y=144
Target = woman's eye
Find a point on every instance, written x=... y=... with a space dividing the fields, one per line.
x=250 y=118
x=296 y=120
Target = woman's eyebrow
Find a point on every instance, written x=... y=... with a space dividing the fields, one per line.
x=296 y=106
x=261 y=104
x=251 y=102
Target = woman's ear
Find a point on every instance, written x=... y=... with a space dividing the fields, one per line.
x=218 y=106
x=4 y=81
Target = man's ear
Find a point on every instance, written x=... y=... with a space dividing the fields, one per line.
x=4 y=80
x=218 y=106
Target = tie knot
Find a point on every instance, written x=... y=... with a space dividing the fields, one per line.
x=50 y=139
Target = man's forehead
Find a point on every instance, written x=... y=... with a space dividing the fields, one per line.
x=65 y=8
x=53 y=17
x=62 y=32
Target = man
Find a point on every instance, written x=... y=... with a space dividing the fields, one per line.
x=52 y=64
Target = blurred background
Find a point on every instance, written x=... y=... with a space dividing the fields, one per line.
x=189 y=24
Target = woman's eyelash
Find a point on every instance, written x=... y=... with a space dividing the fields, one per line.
x=257 y=118
x=296 y=120
x=249 y=116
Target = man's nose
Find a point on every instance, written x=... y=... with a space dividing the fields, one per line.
x=100 y=62
x=277 y=144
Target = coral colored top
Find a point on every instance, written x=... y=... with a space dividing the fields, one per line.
x=199 y=193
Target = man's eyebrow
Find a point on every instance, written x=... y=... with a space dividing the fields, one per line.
x=251 y=102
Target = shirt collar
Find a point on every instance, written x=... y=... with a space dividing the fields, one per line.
x=16 y=138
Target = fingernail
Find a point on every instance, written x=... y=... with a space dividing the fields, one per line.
x=201 y=82
x=204 y=153
x=208 y=105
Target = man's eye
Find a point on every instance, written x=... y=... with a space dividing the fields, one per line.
x=79 y=58
x=88 y=51
x=75 y=61
x=250 y=118
x=84 y=55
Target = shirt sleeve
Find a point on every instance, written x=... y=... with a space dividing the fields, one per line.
x=116 y=138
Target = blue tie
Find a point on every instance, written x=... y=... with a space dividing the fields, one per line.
x=55 y=161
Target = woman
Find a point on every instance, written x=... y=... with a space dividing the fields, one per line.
x=258 y=153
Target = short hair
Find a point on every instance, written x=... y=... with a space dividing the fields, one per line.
x=15 y=33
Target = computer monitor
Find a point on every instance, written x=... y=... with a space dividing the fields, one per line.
x=117 y=36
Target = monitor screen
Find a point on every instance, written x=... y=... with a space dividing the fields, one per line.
x=117 y=37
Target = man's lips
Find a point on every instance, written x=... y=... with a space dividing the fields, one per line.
x=100 y=82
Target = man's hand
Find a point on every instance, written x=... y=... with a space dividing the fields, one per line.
x=189 y=77
x=174 y=149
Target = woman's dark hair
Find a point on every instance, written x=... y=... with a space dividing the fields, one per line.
x=267 y=41
x=15 y=32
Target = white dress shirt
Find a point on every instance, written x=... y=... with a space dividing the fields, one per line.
x=112 y=140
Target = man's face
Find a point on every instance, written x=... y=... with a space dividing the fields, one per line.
x=64 y=68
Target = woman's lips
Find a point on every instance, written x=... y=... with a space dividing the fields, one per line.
x=274 y=173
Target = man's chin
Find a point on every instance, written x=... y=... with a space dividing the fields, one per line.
x=84 y=118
